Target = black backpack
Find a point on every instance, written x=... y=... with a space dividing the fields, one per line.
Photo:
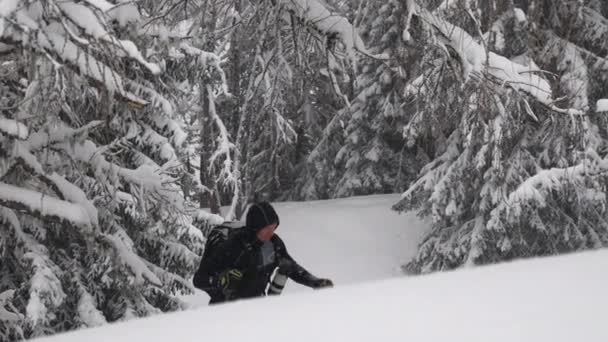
x=219 y=234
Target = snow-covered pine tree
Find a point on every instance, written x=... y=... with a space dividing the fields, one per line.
x=184 y=34
x=258 y=152
x=522 y=170
x=362 y=151
x=93 y=224
x=299 y=95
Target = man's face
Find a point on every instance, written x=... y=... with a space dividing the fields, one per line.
x=267 y=232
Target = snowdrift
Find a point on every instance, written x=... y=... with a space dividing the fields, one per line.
x=553 y=299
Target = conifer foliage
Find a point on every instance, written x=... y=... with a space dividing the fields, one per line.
x=520 y=169
x=92 y=216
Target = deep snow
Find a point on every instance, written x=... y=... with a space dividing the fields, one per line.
x=554 y=300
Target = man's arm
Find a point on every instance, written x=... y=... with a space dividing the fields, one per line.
x=294 y=271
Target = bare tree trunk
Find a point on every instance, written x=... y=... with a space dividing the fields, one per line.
x=210 y=197
x=235 y=69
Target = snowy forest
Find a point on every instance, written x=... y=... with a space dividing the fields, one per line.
x=125 y=126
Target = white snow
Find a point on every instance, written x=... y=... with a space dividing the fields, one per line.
x=520 y=15
x=6 y=315
x=476 y=59
x=602 y=105
x=87 y=152
x=94 y=25
x=86 y=63
x=75 y=195
x=66 y=189
x=125 y=12
x=44 y=204
x=45 y=288
x=58 y=133
x=7 y=7
x=315 y=13
x=135 y=264
x=13 y=128
x=559 y=299
x=84 y=17
x=87 y=310
x=205 y=59
x=204 y=215
x=101 y=4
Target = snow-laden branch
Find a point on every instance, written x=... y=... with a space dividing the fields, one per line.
x=88 y=152
x=168 y=126
x=57 y=35
x=46 y=291
x=207 y=59
x=477 y=60
x=155 y=99
x=69 y=53
x=132 y=261
x=64 y=188
x=203 y=215
x=535 y=189
x=5 y=301
x=314 y=13
x=94 y=26
x=432 y=173
x=87 y=307
x=13 y=128
x=102 y=5
x=602 y=105
x=228 y=174
x=43 y=206
x=146 y=136
x=57 y=134
x=168 y=278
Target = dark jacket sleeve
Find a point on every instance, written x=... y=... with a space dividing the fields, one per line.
x=212 y=265
x=294 y=271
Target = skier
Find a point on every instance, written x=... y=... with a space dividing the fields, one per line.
x=241 y=267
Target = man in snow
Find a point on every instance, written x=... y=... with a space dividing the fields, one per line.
x=242 y=266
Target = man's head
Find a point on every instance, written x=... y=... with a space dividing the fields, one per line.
x=262 y=219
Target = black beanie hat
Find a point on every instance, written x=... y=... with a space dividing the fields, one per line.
x=260 y=215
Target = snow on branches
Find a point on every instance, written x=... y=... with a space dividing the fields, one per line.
x=91 y=201
x=499 y=186
x=478 y=61
x=316 y=14
x=74 y=34
x=13 y=128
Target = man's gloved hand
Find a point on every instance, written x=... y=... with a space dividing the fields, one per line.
x=321 y=283
x=228 y=280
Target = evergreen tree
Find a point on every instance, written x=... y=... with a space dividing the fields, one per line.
x=521 y=170
x=362 y=151
x=93 y=220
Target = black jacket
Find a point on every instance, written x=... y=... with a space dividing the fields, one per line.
x=255 y=259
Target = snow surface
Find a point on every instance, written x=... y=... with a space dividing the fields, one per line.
x=602 y=105
x=553 y=299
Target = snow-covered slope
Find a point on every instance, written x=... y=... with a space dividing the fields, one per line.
x=349 y=240
x=554 y=299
